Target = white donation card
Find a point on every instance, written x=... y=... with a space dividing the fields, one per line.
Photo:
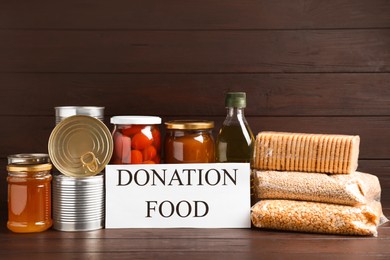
x=215 y=195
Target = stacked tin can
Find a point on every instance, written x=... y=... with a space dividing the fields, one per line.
x=79 y=146
x=78 y=203
x=67 y=111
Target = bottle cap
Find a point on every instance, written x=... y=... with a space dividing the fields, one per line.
x=235 y=99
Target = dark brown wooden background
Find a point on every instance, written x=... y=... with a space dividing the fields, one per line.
x=306 y=65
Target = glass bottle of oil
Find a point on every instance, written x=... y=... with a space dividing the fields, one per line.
x=235 y=140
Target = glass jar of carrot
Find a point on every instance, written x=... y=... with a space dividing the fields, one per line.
x=137 y=140
x=29 y=193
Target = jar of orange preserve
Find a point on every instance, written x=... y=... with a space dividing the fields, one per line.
x=189 y=142
x=29 y=193
x=136 y=139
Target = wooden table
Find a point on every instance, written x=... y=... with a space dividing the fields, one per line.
x=191 y=244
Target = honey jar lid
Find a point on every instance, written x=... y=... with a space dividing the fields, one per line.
x=189 y=124
x=29 y=167
x=136 y=120
x=80 y=146
x=29 y=162
x=28 y=158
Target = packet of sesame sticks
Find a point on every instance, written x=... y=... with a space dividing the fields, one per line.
x=321 y=153
x=315 y=217
x=346 y=189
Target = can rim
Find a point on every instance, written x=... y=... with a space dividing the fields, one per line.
x=135 y=120
x=66 y=111
x=78 y=226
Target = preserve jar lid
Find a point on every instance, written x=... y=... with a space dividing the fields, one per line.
x=189 y=124
x=28 y=158
x=135 y=120
x=80 y=146
x=29 y=167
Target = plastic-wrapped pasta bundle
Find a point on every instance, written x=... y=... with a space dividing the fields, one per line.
x=309 y=183
x=318 y=217
x=345 y=189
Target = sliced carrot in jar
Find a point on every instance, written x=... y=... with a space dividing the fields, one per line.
x=136 y=157
x=140 y=141
x=156 y=138
x=149 y=162
x=157 y=159
x=149 y=153
x=132 y=130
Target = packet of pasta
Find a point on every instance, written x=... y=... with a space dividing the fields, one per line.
x=315 y=217
x=345 y=189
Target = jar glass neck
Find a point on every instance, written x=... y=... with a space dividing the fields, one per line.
x=235 y=112
x=184 y=132
x=29 y=174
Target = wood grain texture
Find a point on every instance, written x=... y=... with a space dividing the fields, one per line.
x=380 y=168
x=194 y=14
x=31 y=133
x=198 y=245
x=193 y=244
x=195 y=51
x=306 y=65
x=341 y=94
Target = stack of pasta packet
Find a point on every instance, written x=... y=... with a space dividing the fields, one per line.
x=309 y=183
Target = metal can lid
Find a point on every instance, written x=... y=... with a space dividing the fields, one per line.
x=189 y=124
x=135 y=120
x=28 y=158
x=67 y=111
x=80 y=146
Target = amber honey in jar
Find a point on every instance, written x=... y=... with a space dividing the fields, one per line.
x=137 y=140
x=189 y=142
x=29 y=193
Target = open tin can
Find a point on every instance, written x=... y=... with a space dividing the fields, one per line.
x=80 y=146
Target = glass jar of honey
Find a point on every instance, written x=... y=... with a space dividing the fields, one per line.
x=189 y=142
x=137 y=140
x=29 y=193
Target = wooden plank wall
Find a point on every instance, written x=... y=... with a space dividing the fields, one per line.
x=306 y=65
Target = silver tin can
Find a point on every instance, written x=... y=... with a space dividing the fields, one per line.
x=67 y=111
x=78 y=203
